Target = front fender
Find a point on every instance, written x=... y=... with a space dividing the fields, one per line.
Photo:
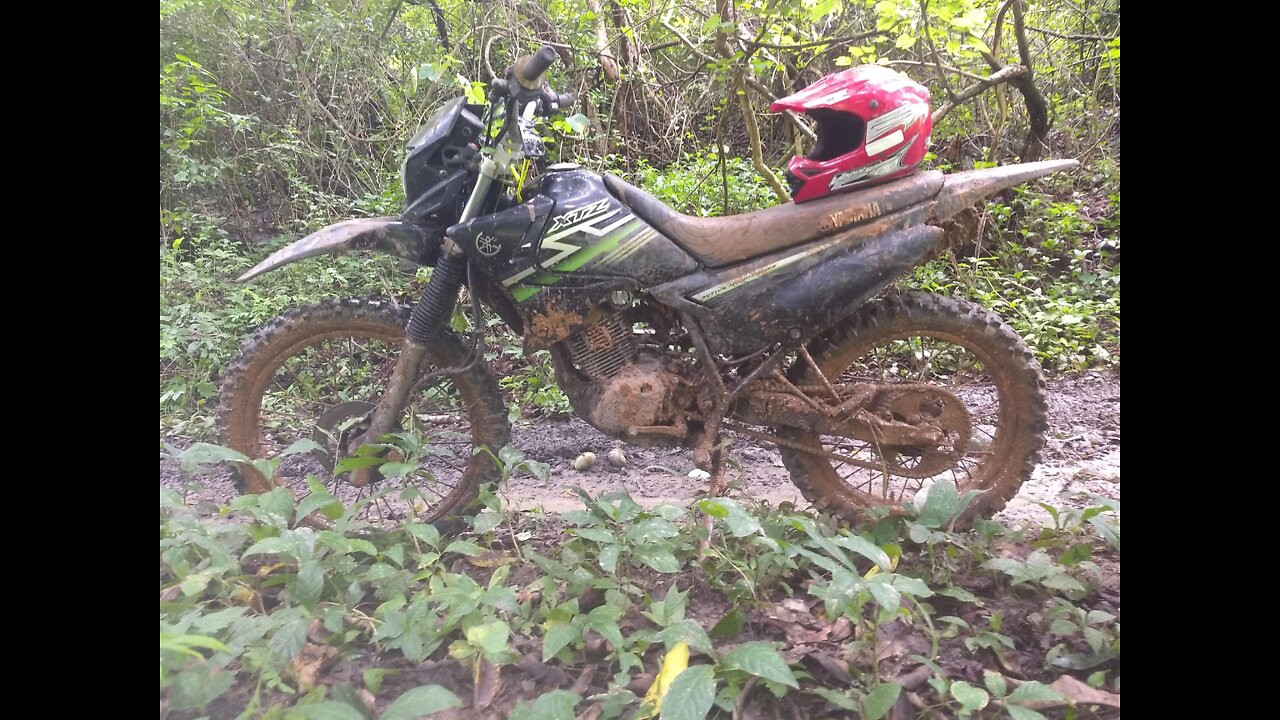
x=387 y=234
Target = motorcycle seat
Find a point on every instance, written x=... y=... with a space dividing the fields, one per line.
x=720 y=241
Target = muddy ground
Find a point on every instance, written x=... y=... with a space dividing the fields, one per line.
x=1082 y=456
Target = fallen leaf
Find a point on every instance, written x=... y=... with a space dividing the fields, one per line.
x=839 y=669
x=308 y=663
x=487 y=679
x=488 y=559
x=914 y=679
x=584 y=680
x=1082 y=694
x=673 y=663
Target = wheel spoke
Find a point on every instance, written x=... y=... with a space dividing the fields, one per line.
x=940 y=364
x=325 y=386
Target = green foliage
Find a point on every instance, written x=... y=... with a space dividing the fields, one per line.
x=1052 y=274
x=696 y=184
x=204 y=315
x=251 y=595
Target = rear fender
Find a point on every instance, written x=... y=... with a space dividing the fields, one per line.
x=962 y=189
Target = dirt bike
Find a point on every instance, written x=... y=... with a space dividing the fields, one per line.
x=662 y=328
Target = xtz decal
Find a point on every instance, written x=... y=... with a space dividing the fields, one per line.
x=586 y=212
x=591 y=221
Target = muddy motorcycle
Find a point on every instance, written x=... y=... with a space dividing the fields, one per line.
x=662 y=329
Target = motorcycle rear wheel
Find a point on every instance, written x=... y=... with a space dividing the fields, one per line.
x=317 y=371
x=918 y=339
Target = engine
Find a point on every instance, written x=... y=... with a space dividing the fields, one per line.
x=618 y=386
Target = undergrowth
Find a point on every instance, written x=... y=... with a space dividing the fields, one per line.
x=273 y=606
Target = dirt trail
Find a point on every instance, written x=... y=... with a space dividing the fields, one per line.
x=1082 y=456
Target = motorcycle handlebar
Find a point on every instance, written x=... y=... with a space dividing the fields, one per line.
x=529 y=69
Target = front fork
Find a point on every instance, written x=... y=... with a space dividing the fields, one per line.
x=429 y=315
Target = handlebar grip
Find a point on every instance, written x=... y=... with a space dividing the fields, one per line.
x=534 y=65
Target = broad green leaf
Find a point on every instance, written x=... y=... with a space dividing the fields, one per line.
x=864 y=548
x=971 y=697
x=217 y=620
x=557 y=637
x=397 y=469
x=431 y=72
x=578 y=122
x=652 y=529
x=291 y=635
x=356 y=462
x=740 y=522
x=197 y=687
x=729 y=626
x=960 y=594
x=1063 y=582
x=373 y=678
x=835 y=697
x=1098 y=616
x=555 y=705
x=658 y=558
x=364 y=546
x=760 y=659
x=886 y=596
x=465 y=547
x=1033 y=691
x=1017 y=712
x=995 y=682
x=691 y=694
x=426 y=533
x=421 y=701
x=609 y=558
x=939 y=506
x=490 y=637
x=278 y=502
x=688 y=632
x=876 y=704
x=303 y=445
x=309 y=583
x=272 y=546
x=599 y=535
x=203 y=454
x=909 y=585
x=486 y=522
x=320 y=499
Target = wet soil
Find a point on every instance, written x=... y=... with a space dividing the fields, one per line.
x=1081 y=457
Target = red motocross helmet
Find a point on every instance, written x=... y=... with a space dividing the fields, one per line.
x=873 y=125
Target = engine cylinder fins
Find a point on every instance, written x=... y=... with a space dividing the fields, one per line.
x=604 y=349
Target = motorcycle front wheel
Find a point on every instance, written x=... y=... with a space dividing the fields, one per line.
x=961 y=370
x=316 y=373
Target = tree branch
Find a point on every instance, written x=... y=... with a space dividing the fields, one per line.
x=831 y=41
x=1004 y=74
x=750 y=82
x=1103 y=38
